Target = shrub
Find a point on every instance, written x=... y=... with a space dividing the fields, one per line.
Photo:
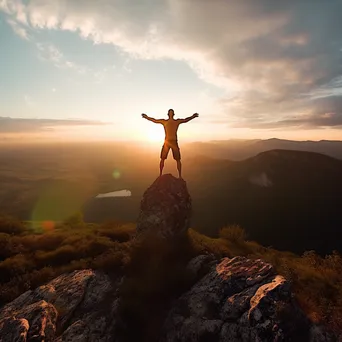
x=233 y=233
x=202 y=244
x=75 y=220
x=311 y=258
x=6 y=247
x=47 y=241
x=60 y=256
x=121 y=233
x=110 y=261
x=15 y=265
x=10 y=225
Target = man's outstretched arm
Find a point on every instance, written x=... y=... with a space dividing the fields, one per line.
x=189 y=118
x=151 y=119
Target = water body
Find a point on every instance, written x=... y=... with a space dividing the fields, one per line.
x=121 y=193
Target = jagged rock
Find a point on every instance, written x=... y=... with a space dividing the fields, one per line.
x=165 y=208
x=237 y=300
x=200 y=265
x=12 y=329
x=33 y=322
x=79 y=306
x=234 y=300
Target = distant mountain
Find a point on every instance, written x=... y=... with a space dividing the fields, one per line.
x=331 y=148
x=242 y=149
x=288 y=199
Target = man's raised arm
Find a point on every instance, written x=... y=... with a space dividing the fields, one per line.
x=189 y=118
x=151 y=119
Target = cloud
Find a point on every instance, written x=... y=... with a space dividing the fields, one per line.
x=20 y=125
x=18 y=29
x=324 y=112
x=4 y=7
x=273 y=58
x=49 y=52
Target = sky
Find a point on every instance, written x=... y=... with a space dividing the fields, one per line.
x=84 y=69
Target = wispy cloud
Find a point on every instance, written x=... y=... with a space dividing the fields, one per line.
x=49 y=52
x=20 y=125
x=18 y=29
x=325 y=112
x=4 y=7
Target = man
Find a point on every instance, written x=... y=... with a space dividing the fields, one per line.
x=170 y=126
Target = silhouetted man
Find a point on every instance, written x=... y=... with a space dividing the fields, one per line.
x=170 y=126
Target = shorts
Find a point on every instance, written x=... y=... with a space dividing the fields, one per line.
x=173 y=144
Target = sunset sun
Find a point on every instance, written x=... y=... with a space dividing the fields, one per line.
x=155 y=133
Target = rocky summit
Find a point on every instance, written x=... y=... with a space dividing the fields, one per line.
x=165 y=208
x=231 y=300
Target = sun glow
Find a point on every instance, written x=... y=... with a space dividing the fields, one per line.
x=155 y=133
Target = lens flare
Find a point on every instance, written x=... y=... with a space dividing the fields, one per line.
x=57 y=202
x=48 y=225
x=116 y=174
x=42 y=226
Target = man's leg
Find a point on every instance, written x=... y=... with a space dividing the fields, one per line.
x=163 y=155
x=179 y=168
x=177 y=158
x=161 y=166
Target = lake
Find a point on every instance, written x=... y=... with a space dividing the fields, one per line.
x=120 y=193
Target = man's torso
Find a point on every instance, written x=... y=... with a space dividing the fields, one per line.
x=171 y=127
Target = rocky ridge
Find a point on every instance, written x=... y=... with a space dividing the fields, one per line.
x=231 y=300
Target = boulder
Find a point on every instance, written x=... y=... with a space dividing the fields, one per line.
x=238 y=300
x=78 y=306
x=13 y=329
x=165 y=209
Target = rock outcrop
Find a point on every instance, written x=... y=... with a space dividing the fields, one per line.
x=232 y=300
x=238 y=300
x=79 y=306
x=165 y=208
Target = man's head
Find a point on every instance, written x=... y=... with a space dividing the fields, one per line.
x=171 y=113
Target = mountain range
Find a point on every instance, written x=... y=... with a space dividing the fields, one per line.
x=286 y=199
x=243 y=149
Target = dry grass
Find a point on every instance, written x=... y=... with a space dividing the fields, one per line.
x=233 y=233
